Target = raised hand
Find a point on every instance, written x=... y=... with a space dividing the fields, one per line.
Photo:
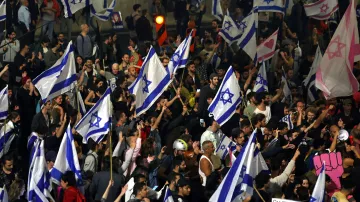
x=333 y=165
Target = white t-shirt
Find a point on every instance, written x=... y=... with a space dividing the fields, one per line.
x=267 y=113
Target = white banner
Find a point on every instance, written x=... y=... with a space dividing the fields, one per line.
x=281 y=200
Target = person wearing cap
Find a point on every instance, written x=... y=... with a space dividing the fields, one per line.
x=205 y=91
x=50 y=158
x=184 y=191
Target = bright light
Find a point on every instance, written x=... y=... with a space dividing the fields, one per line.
x=159 y=20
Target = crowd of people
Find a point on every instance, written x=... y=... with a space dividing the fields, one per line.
x=173 y=145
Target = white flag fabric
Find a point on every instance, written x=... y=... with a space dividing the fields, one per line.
x=60 y=78
x=3 y=194
x=322 y=9
x=226 y=99
x=270 y=5
x=3 y=11
x=226 y=145
x=151 y=82
x=287 y=119
x=112 y=84
x=261 y=83
x=335 y=77
x=66 y=159
x=96 y=122
x=39 y=186
x=266 y=49
x=6 y=137
x=4 y=103
x=168 y=196
x=72 y=6
x=240 y=177
x=309 y=82
x=216 y=10
x=103 y=16
x=231 y=31
x=82 y=108
x=318 y=194
x=215 y=61
x=247 y=42
x=181 y=55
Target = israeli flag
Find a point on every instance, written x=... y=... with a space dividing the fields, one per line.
x=3 y=11
x=286 y=88
x=309 y=82
x=112 y=84
x=240 y=177
x=181 y=55
x=103 y=16
x=247 y=42
x=227 y=98
x=318 y=194
x=96 y=122
x=3 y=194
x=261 y=83
x=60 y=78
x=81 y=104
x=4 y=103
x=6 y=137
x=215 y=61
x=287 y=119
x=151 y=82
x=66 y=159
x=39 y=186
x=231 y=31
x=72 y=6
x=216 y=10
x=168 y=196
x=226 y=145
x=270 y=5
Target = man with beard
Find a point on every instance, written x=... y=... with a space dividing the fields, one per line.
x=205 y=91
x=262 y=106
x=178 y=166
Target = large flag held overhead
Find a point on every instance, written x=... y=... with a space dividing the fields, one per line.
x=226 y=99
x=152 y=81
x=261 y=84
x=322 y=9
x=247 y=42
x=66 y=159
x=266 y=49
x=334 y=76
x=270 y=5
x=216 y=10
x=6 y=137
x=318 y=194
x=226 y=145
x=39 y=186
x=96 y=122
x=241 y=175
x=4 y=103
x=309 y=82
x=60 y=78
x=72 y=6
x=231 y=31
x=103 y=16
x=3 y=11
x=181 y=55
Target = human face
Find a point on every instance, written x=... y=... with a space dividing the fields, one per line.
x=186 y=190
x=247 y=130
x=144 y=192
x=310 y=116
x=347 y=107
x=214 y=81
x=241 y=139
x=220 y=72
x=191 y=68
x=207 y=34
x=85 y=28
x=210 y=148
x=79 y=60
x=125 y=58
x=9 y=93
x=165 y=62
x=290 y=74
x=131 y=43
x=59 y=100
x=101 y=83
x=305 y=183
x=182 y=165
x=286 y=111
x=132 y=71
x=115 y=69
x=214 y=25
x=300 y=105
x=12 y=35
x=61 y=37
x=17 y=119
x=63 y=184
x=28 y=82
x=48 y=105
x=263 y=122
x=50 y=164
x=26 y=3
x=114 y=38
x=8 y=166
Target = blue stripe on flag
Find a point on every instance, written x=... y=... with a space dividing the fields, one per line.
x=249 y=35
x=3 y=114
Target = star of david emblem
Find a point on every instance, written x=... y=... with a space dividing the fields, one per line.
x=260 y=80
x=95 y=120
x=222 y=147
x=226 y=96
x=147 y=83
x=335 y=47
x=268 y=1
x=285 y=119
x=227 y=25
x=113 y=85
x=175 y=58
x=242 y=26
x=324 y=8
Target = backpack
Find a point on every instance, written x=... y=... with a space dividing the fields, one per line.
x=130 y=22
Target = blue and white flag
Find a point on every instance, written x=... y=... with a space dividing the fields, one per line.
x=261 y=83
x=181 y=55
x=240 y=177
x=6 y=137
x=270 y=5
x=309 y=82
x=3 y=194
x=227 y=98
x=112 y=84
x=151 y=82
x=226 y=145
x=215 y=61
x=39 y=185
x=103 y=16
x=4 y=103
x=3 y=11
x=72 y=6
x=247 y=42
x=96 y=122
x=232 y=31
x=216 y=10
x=81 y=105
x=286 y=88
x=60 y=78
x=318 y=194
x=287 y=119
x=168 y=196
x=66 y=159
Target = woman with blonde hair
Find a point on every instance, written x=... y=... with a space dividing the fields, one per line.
x=17 y=189
x=57 y=112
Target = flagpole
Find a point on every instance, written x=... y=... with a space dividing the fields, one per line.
x=110 y=146
x=182 y=102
